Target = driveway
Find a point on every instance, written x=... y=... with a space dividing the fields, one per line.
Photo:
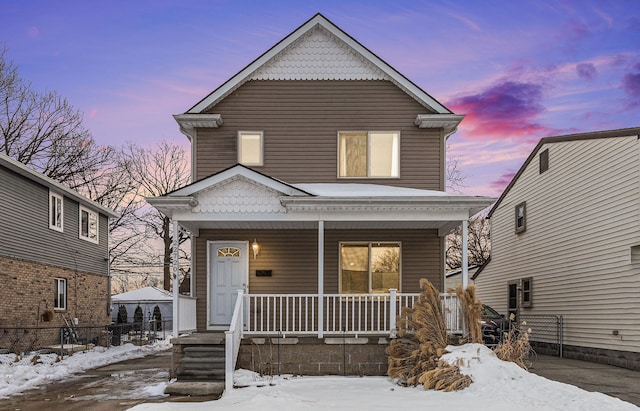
x=114 y=387
x=608 y=379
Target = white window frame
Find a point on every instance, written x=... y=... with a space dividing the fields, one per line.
x=53 y=202
x=245 y=132
x=369 y=244
x=368 y=159
x=88 y=236
x=62 y=302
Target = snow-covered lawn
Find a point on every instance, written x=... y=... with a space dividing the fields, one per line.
x=497 y=385
x=22 y=373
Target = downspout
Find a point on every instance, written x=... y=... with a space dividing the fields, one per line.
x=465 y=257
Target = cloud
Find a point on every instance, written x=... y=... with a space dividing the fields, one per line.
x=33 y=32
x=507 y=109
x=586 y=71
x=503 y=181
x=631 y=86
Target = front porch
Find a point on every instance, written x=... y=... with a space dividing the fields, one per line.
x=295 y=334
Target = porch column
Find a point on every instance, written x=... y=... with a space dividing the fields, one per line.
x=465 y=251
x=320 y=278
x=176 y=281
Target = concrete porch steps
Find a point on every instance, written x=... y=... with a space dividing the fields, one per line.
x=198 y=365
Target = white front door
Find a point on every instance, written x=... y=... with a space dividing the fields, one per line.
x=228 y=273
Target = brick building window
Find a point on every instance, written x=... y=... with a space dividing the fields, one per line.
x=60 y=294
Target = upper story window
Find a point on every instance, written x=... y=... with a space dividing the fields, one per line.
x=88 y=225
x=56 y=203
x=369 y=154
x=521 y=217
x=250 y=148
x=369 y=267
x=544 y=161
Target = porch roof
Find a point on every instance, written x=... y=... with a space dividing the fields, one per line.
x=241 y=198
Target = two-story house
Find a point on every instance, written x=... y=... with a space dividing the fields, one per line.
x=565 y=241
x=319 y=186
x=54 y=249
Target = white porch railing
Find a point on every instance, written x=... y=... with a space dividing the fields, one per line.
x=354 y=314
x=186 y=313
x=232 y=342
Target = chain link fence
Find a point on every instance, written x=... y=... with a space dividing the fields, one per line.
x=68 y=339
x=546 y=332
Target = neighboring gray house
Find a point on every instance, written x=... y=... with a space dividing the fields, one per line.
x=566 y=241
x=53 y=252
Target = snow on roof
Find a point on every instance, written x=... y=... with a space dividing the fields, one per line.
x=367 y=190
x=144 y=294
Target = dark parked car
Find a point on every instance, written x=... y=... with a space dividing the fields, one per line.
x=493 y=325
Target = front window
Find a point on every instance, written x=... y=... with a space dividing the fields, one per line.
x=369 y=267
x=369 y=154
x=88 y=225
x=59 y=294
x=527 y=292
x=55 y=211
x=250 y=148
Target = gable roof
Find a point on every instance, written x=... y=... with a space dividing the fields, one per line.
x=143 y=294
x=196 y=116
x=40 y=178
x=624 y=132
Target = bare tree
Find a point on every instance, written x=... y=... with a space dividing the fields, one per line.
x=479 y=243
x=454 y=179
x=44 y=132
x=158 y=172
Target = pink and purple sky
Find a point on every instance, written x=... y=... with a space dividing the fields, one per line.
x=519 y=70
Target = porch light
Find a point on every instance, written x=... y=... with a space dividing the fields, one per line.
x=256 y=248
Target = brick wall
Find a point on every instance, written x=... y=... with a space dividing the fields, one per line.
x=313 y=356
x=27 y=292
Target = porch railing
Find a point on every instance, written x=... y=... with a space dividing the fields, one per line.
x=353 y=314
x=232 y=342
x=186 y=313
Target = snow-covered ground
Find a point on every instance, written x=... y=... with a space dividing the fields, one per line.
x=22 y=373
x=497 y=385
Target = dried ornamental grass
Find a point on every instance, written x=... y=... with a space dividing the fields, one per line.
x=413 y=357
x=472 y=311
x=515 y=346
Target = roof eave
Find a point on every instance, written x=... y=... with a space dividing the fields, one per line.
x=52 y=184
x=189 y=122
x=448 y=122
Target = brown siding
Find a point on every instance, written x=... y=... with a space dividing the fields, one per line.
x=292 y=257
x=300 y=121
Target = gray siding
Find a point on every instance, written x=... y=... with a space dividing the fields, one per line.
x=25 y=232
x=292 y=257
x=300 y=121
x=583 y=218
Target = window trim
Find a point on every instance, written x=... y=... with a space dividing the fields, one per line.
x=368 y=165
x=88 y=236
x=518 y=228
x=52 y=197
x=56 y=294
x=239 y=146
x=369 y=244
